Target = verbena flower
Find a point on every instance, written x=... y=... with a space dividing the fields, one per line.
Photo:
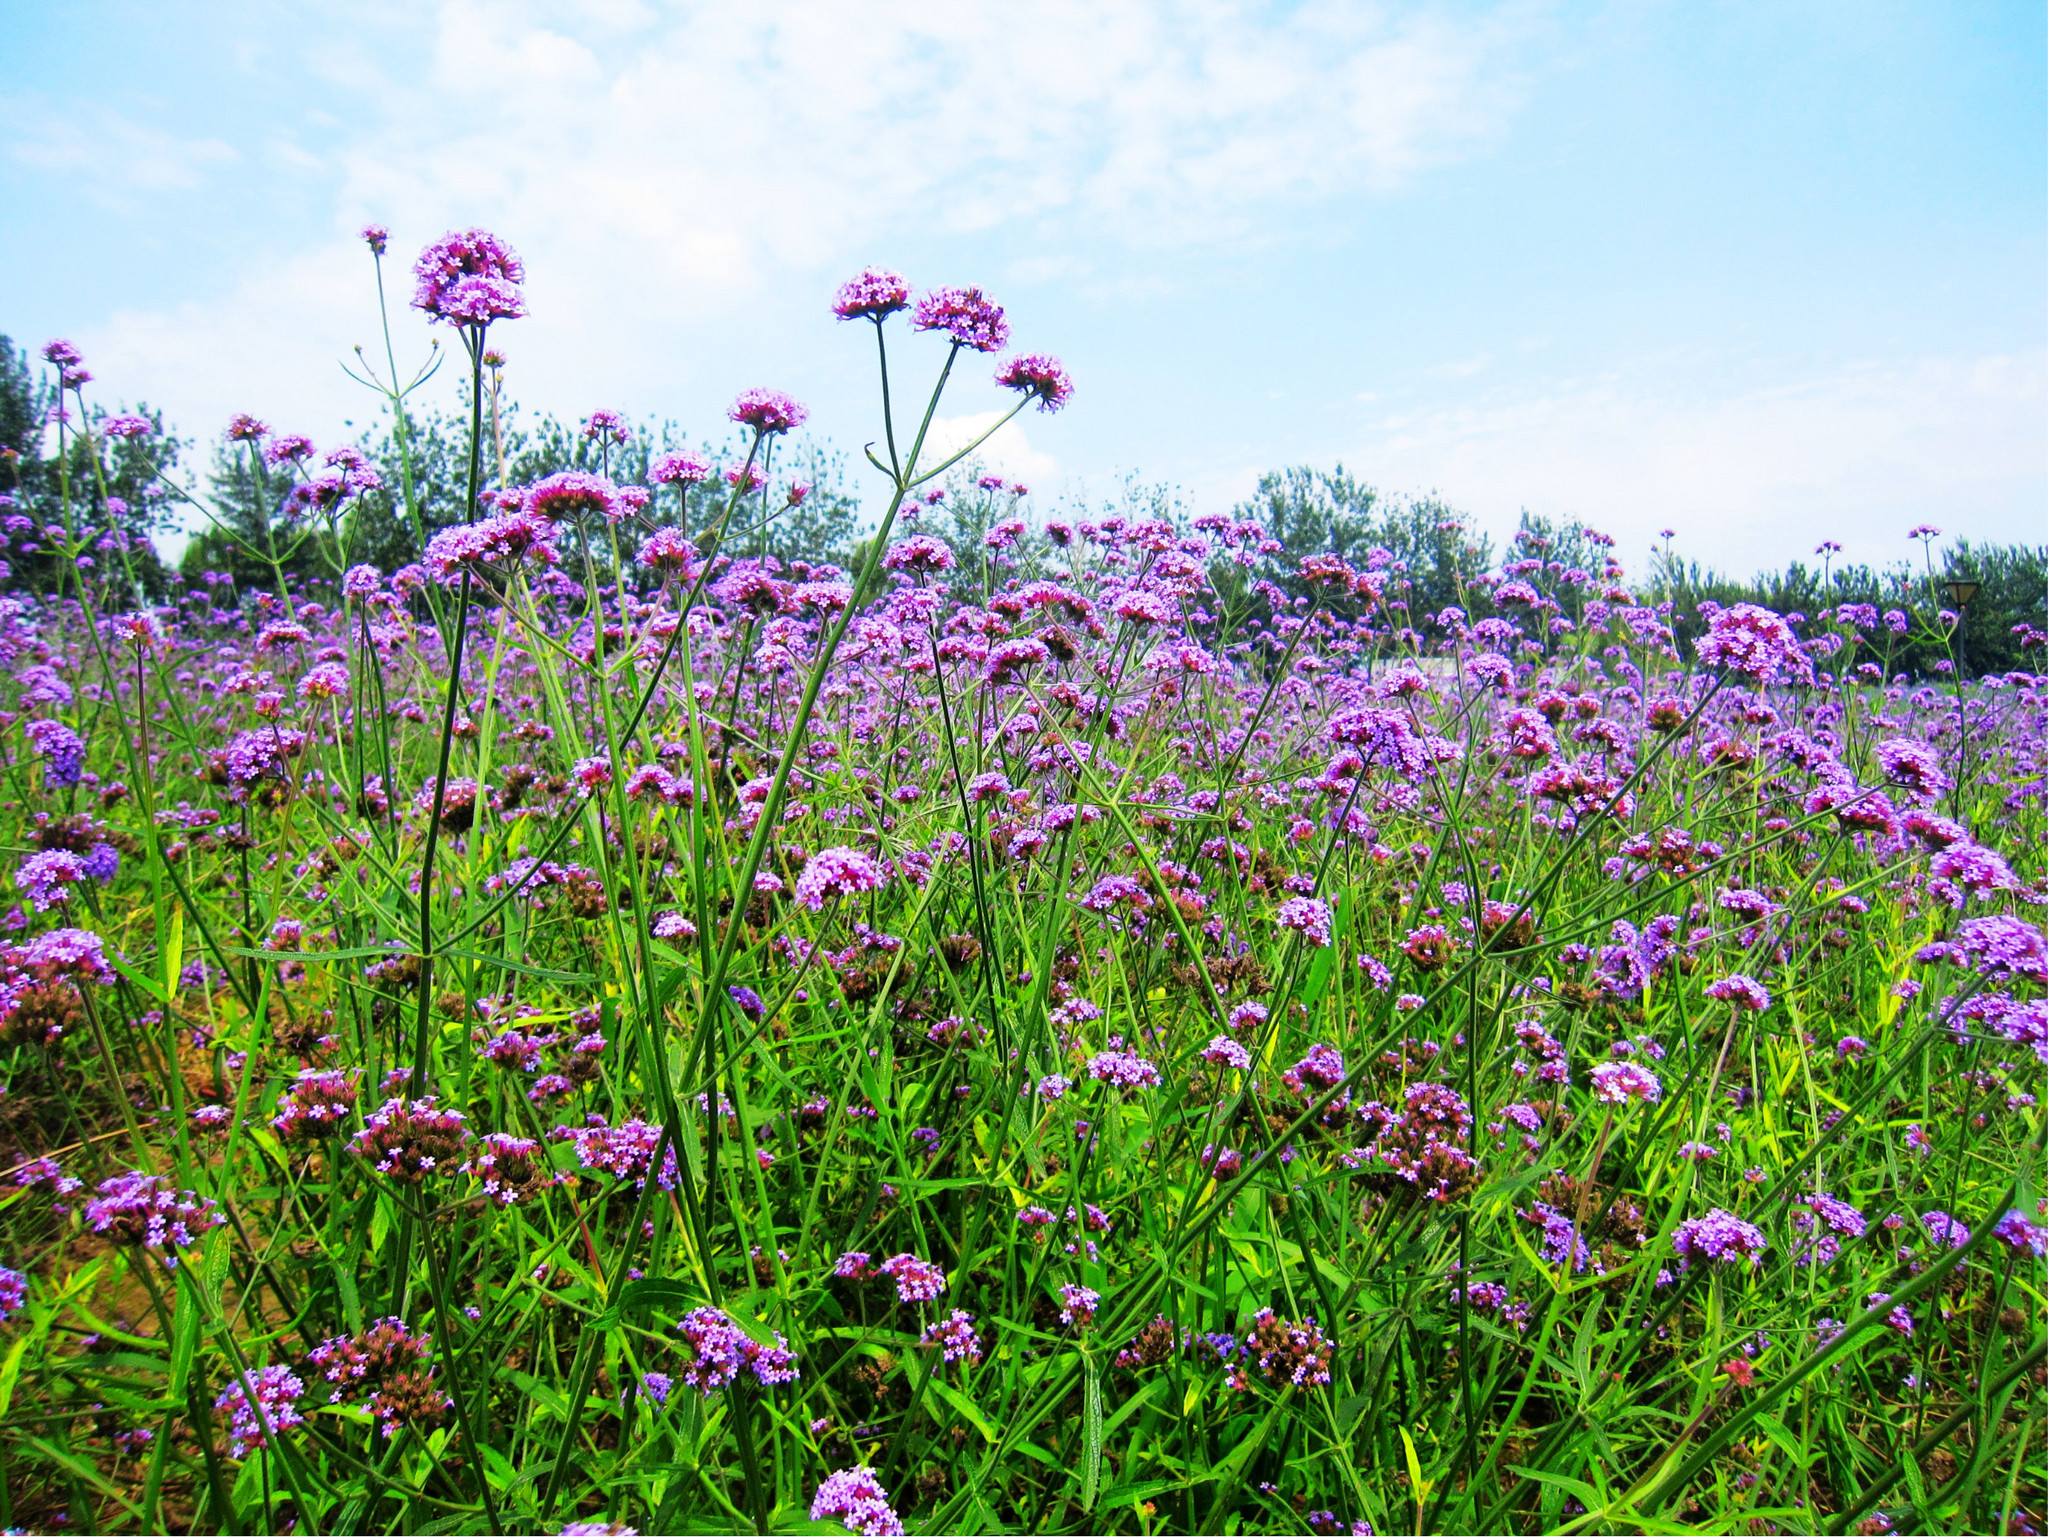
x=1620 y=1083
x=916 y=1280
x=273 y=1407
x=1037 y=375
x=1745 y=993
x=145 y=1211
x=1308 y=917
x=955 y=1339
x=469 y=277
x=1719 y=1237
x=767 y=411
x=967 y=315
x=872 y=294
x=857 y=1501
x=721 y=1350
x=1754 y=642
x=837 y=872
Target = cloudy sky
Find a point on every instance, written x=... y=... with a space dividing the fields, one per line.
x=1762 y=273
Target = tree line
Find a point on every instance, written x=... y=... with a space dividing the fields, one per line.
x=246 y=531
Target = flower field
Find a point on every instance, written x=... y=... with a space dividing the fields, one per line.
x=597 y=1029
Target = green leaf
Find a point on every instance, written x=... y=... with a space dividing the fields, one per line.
x=654 y=1291
x=10 y=1372
x=965 y=1408
x=1091 y=1467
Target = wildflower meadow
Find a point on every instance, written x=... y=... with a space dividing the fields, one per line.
x=610 y=1022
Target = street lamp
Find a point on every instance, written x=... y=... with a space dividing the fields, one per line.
x=1960 y=592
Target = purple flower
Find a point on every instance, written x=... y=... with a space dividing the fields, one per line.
x=916 y=1280
x=873 y=294
x=1717 y=1238
x=1078 y=1304
x=315 y=1105
x=918 y=555
x=1319 y=1070
x=144 y=1211
x=1225 y=1052
x=837 y=872
x=1308 y=917
x=329 y=680
x=1915 y=765
x=721 y=1350
x=955 y=1338
x=1745 y=993
x=570 y=494
x=1752 y=641
x=679 y=467
x=1033 y=373
x=669 y=552
x=46 y=879
x=1822 y=1221
x=406 y=1141
x=1972 y=867
x=1617 y=1083
x=62 y=752
x=604 y=423
x=1285 y=1353
x=128 y=427
x=469 y=277
x=1123 y=1069
x=14 y=1293
x=376 y=237
x=625 y=1151
x=1112 y=889
x=854 y=1499
x=511 y=1169
x=1385 y=739
x=2020 y=1235
x=275 y=1408
x=2000 y=947
x=74 y=953
x=967 y=315
x=767 y=411
x=503 y=540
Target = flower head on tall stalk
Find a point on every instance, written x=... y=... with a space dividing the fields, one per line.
x=469 y=278
x=768 y=411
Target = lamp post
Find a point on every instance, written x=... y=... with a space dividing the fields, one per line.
x=1960 y=592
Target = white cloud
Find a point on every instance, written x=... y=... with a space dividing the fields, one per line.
x=686 y=185
x=1749 y=477
x=110 y=154
x=1007 y=452
x=1464 y=369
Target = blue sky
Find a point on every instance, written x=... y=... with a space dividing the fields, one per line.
x=1765 y=274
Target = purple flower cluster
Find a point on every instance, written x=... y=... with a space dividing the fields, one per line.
x=469 y=278
x=720 y=1350
x=954 y=1338
x=145 y=1211
x=1123 y=1070
x=61 y=750
x=1718 y=1238
x=916 y=1280
x=409 y=1140
x=839 y=872
x=274 y=1406
x=317 y=1103
x=857 y=1501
